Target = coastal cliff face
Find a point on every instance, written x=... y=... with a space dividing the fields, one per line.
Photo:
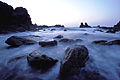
x=13 y=20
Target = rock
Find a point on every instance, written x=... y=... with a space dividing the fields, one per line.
x=53 y=29
x=65 y=29
x=75 y=57
x=16 y=41
x=110 y=31
x=84 y=26
x=114 y=42
x=59 y=36
x=38 y=60
x=117 y=26
x=13 y=20
x=50 y=42
x=102 y=42
x=66 y=40
x=78 y=40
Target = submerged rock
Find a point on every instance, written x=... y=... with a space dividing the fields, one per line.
x=104 y=42
x=38 y=60
x=110 y=31
x=75 y=57
x=66 y=40
x=16 y=41
x=50 y=42
x=59 y=36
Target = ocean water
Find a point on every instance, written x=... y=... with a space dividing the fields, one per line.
x=105 y=59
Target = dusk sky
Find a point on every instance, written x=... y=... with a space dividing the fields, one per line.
x=71 y=12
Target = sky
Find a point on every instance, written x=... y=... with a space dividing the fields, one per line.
x=71 y=12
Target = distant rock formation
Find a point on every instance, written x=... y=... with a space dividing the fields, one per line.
x=117 y=26
x=56 y=26
x=13 y=20
x=84 y=26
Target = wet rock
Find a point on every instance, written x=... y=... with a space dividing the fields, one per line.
x=38 y=60
x=66 y=40
x=102 y=42
x=78 y=40
x=16 y=41
x=99 y=30
x=65 y=29
x=53 y=29
x=110 y=31
x=50 y=42
x=114 y=42
x=75 y=57
x=59 y=36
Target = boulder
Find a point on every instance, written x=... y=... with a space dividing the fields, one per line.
x=59 y=36
x=65 y=29
x=114 y=42
x=16 y=41
x=75 y=58
x=50 y=42
x=102 y=42
x=39 y=60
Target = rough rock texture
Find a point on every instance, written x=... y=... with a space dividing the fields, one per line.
x=84 y=26
x=50 y=42
x=38 y=60
x=75 y=58
x=16 y=41
x=104 y=42
x=13 y=20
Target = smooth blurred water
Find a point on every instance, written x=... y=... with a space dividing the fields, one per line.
x=14 y=65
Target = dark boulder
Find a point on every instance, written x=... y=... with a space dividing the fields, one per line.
x=75 y=58
x=65 y=29
x=16 y=41
x=102 y=42
x=38 y=60
x=50 y=42
x=59 y=36
x=114 y=42
x=84 y=26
